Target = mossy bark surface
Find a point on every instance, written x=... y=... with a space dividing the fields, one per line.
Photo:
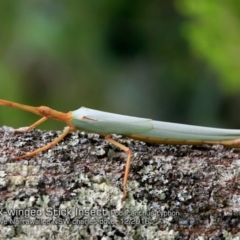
x=74 y=190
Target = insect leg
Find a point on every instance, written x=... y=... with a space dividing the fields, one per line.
x=128 y=152
x=49 y=145
x=32 y=126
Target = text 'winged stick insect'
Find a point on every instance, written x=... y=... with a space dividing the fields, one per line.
x=143 y=129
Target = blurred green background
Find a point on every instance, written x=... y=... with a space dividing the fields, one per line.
x=175 y=61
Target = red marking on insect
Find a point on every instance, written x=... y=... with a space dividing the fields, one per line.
x=84 y=117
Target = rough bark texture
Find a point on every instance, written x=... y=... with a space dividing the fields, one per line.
x=175 y=192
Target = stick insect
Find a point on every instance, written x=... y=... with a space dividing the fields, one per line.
x=143 y=129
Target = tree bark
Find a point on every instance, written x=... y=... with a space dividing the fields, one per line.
x=74 y=190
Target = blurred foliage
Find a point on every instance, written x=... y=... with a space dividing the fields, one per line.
x=174 y=61
x=213 y=32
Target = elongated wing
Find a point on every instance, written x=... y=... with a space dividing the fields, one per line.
x=145 y=129
x=95 y=121
x=177 y=131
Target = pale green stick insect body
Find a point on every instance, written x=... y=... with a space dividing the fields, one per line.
x=143 y=129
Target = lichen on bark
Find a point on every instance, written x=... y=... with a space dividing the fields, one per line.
x=174 y=192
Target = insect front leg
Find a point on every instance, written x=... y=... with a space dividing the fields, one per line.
x=32 y=126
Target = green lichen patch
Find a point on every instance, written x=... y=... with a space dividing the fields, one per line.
x=174 y=192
